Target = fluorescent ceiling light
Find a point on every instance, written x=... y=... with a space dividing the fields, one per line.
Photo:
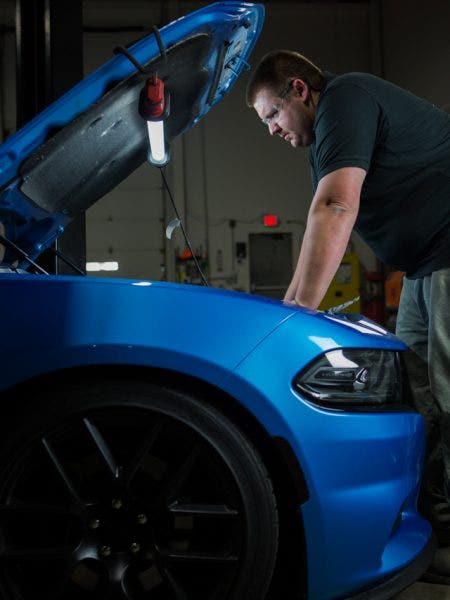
x=102 y=266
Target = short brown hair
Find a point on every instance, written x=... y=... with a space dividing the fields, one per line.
x=276 y=67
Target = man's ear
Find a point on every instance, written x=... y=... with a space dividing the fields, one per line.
x=301 y=88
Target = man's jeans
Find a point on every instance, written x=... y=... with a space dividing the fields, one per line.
x=423 y=323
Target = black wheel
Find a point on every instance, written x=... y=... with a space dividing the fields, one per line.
x=128 y=491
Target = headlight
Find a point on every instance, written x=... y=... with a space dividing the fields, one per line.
x=354 y=379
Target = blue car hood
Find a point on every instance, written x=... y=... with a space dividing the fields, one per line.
x=85 y=143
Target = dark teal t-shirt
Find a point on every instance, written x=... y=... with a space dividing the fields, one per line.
x=403 y=142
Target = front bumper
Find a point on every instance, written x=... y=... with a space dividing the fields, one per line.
x=399 y=581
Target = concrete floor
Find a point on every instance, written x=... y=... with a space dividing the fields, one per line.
x=424 y=591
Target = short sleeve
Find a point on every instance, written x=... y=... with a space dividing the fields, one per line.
x=345 y=128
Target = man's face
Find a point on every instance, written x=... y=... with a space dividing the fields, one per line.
x=291 y=115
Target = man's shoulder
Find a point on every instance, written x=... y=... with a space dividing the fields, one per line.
x=355 y=89
x=362 y=80
x=345 y=93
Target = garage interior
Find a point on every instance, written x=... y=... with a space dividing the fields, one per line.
x=243 y=197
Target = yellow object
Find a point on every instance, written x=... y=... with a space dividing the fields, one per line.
x=345 y=285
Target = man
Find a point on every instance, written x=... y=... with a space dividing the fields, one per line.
x=380 y=164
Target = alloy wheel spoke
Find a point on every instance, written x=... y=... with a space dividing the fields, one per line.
x=103 y=448
x=53 y=553
x=10 y=589
x=117 y=591
x=76 y=499
x=177 y=590
x=181 y=474
x=38 y=510
x=203 y=510
x=200 y=558
x=138 y=460
x=119 y=594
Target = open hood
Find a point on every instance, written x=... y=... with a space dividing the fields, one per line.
x=91 y=138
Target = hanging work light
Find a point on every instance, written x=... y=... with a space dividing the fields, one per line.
x=154 y=108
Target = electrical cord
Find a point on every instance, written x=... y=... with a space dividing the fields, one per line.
x=143 y=70
x=188 y=243
x=67 y=260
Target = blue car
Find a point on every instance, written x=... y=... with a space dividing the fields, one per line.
x=167 y=441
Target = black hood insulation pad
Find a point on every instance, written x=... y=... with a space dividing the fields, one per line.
x=86 y=159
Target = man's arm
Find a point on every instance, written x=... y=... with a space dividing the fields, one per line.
x=331 y=217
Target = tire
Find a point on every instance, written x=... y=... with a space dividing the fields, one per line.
x=125 y=490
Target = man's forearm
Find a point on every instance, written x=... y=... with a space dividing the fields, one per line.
x=324 y=244
x=331 y=219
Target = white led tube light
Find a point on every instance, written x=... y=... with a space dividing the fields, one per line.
x=158 y=155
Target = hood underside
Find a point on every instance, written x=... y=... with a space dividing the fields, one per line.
x=88 y=158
